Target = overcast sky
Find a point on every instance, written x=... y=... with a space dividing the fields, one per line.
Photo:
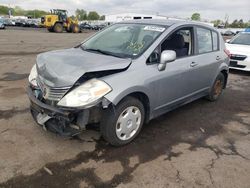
x=209 y=9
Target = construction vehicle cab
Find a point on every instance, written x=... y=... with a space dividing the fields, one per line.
x=58 y=21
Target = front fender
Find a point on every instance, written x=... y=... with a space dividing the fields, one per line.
x=116 y=96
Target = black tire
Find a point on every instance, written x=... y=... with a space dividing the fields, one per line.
x=75 y=28
x=69 y=30
x=58 y=28
x=217 y=88
x=110 y=117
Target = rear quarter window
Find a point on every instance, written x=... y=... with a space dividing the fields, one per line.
x=204 y=40
x=215 y=41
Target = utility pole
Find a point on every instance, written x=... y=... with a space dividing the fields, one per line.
x=9 y=11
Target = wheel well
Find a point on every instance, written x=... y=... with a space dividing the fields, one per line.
x=224 y=72
x=60 y=22
x=145 y=101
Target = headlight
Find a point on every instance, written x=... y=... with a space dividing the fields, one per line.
x=85 y=94
x=32 y=76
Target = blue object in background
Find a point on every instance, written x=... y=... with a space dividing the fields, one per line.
x=247 y=29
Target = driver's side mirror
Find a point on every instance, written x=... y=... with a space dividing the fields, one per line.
x=166 y=57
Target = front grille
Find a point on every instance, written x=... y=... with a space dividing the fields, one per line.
x=55 y=94
x=50 y=93
x=238 y=57
x=235 y=64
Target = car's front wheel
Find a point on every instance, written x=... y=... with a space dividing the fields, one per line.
x=122 y=123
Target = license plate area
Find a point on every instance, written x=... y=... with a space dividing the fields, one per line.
x=42 y=118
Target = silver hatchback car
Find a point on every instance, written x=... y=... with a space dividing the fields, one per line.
x=126 y=75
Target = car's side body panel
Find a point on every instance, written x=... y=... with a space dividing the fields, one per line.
x=178 y=84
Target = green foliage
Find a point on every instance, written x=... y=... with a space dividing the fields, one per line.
x=4 y=10
x=18 y=11
x=102 y=17
x=73 y=17
x=239 y=24
x=196 y=16
x=35 y=13
x=93 y=15
x=235 y=24
x=217 y=22
x=81 y=14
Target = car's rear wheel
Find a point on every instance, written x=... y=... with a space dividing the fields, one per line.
x=122 y=123
x=217 y=88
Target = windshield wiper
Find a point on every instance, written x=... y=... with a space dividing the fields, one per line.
x=104 y=52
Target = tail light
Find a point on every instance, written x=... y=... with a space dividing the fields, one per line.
x=227 y=52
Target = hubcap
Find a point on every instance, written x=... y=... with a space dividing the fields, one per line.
x=218 y=87
x=128 y=123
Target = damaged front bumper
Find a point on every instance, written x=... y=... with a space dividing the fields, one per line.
x=65 y=122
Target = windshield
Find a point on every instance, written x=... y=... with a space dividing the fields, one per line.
x=124 y=40
x=242 y=38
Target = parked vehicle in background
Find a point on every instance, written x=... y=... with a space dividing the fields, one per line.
x=20 y=22
x=95 y=27
x=8 y=22
x=237 y=32
x=126 y=75
x=2 y=26
x=239 y=47
x=99 y=27
x=31 y=23
x=58 y=21
x=85 y=26
x=247 y=29
x=228 y=33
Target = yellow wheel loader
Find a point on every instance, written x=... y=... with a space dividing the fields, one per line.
x=58 y=21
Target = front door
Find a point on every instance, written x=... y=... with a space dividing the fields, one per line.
x=183 y=78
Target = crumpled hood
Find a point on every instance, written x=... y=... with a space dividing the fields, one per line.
x=62 y=68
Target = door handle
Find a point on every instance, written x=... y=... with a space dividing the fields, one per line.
x=193 y=64
x=217 y=57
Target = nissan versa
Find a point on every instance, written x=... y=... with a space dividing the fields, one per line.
x=126 y=75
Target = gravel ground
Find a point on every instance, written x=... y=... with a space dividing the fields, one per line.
x=202 y=144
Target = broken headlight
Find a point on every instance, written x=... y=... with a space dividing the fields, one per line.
x=33 y=76
x=85 y=94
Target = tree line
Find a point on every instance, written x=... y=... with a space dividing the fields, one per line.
x=18 y=11
x=224 y=23
x=84 y=15
x=80 y=14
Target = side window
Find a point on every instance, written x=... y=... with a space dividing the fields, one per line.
x=181 y=41
x=215 y=41
x=154 y=57
x=204 y=40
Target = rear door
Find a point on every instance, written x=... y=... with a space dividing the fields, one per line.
x=207 y=59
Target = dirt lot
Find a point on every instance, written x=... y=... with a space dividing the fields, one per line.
x=202 y=144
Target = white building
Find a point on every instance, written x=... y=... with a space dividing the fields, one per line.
x=130 y=16
x=112 y=18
